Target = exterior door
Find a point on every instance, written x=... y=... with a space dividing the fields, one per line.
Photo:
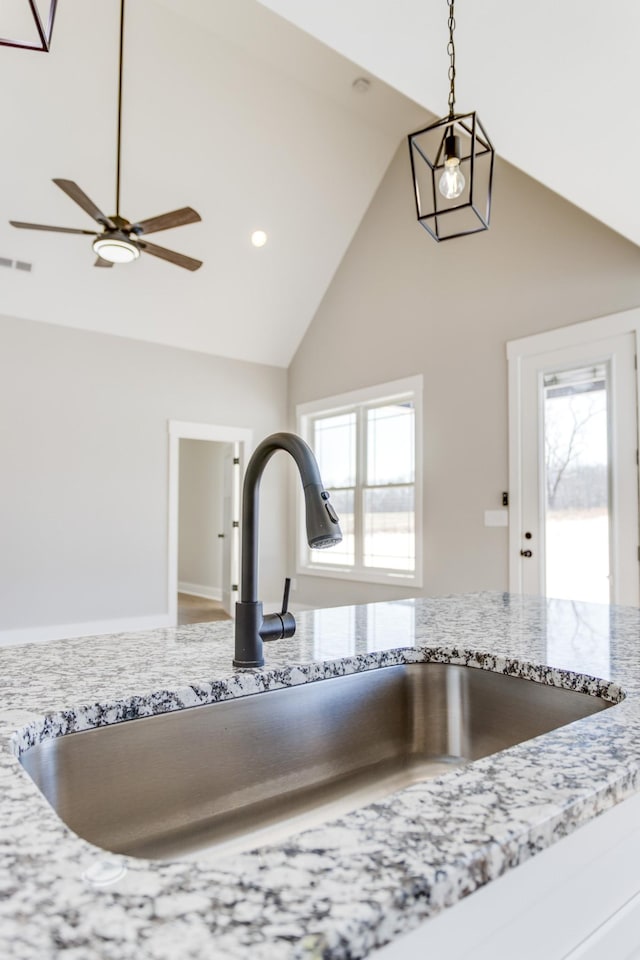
x=578 y=536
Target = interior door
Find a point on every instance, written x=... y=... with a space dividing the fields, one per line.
x=231 y=522
x=579 y=473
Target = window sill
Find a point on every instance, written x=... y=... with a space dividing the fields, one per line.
x=361 y=576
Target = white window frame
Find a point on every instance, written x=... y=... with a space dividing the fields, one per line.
x=409 y=388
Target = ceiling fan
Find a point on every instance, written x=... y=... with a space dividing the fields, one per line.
x=121 y=240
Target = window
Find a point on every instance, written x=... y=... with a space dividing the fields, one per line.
x=367 y=446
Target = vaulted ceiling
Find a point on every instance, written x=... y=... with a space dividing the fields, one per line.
x=227 y=108
x=253 y=120
x=555 y=83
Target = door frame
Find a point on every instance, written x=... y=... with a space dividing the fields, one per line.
x=183 y=430
x=589 y=331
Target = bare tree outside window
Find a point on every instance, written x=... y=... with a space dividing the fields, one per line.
x=576 y=484
x=573 y=479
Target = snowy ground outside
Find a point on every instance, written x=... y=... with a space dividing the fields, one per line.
x=577 y=555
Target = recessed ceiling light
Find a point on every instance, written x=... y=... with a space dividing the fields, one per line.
x=258 y=238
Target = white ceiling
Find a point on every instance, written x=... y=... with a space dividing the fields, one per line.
x=555 y=82
x=227 y=108
x=237 y=112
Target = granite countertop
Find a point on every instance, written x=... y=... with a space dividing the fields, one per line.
x=338 y=890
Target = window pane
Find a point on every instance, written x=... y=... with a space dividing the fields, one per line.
x=390 y=444
x=334 y=444
x=389 y=522
x=343 y=553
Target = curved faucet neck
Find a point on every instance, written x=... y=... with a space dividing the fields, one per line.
x=309 y=474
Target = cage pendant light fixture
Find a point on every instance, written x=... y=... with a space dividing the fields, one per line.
x=452 y=166
x=27 y=24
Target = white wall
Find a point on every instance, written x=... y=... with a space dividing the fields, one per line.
x=400 y=304
x=84 y=476
x=200 y=512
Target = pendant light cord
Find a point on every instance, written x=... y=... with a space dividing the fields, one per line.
x=451 y=50
x=119 y=147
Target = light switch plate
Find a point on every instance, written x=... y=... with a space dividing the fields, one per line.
x=496 y=518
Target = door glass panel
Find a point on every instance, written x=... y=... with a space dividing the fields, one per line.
x=576 y=481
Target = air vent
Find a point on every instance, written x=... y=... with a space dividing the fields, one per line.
x=18 y=264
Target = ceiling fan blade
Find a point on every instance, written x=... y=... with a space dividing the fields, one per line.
x=177 y=218
x=73 y=191
x=178 y=258
x=41 y=226
x=102 y=263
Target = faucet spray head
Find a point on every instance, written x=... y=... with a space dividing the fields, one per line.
x=323 y=526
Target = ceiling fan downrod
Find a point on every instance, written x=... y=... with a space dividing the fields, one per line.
x=119 y=142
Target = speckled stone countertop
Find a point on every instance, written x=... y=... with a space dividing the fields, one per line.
x=339 y=890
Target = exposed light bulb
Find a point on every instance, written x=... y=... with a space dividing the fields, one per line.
x=452 y=181
x=259 y=238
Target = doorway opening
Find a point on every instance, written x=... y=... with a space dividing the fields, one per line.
x=205 y=530
x=205 y=470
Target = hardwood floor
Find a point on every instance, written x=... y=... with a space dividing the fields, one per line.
x=198 y=610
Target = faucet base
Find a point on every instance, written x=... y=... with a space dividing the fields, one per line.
x=249 y=619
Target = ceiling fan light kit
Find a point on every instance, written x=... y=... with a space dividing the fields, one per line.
x=41 y=27
x=452 y=167
x=120 y=240
x=116 y=248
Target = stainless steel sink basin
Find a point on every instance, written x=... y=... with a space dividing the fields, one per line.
x=243 y=772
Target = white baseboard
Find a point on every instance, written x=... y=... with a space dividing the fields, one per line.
x=200 y=590
x=92 y=628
